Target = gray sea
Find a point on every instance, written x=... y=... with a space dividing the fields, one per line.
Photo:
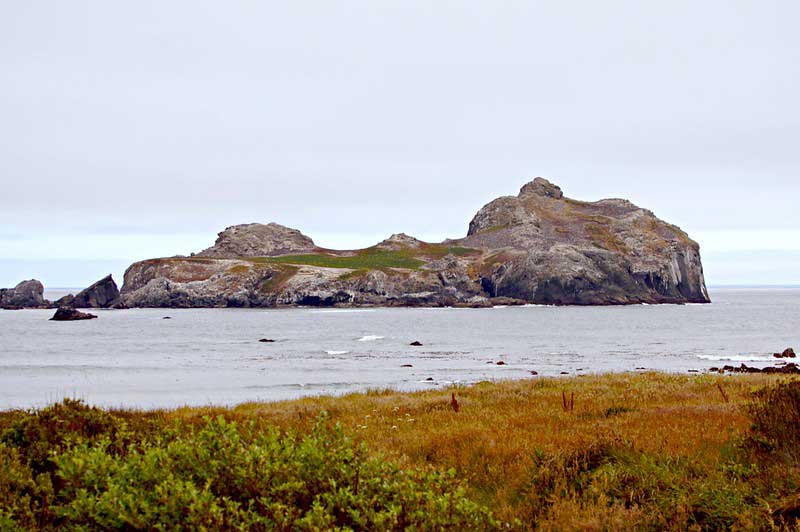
x=136 y=358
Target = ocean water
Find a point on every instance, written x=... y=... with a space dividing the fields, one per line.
x=135 y=358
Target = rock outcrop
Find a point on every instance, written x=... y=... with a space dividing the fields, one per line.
x=550 y=249
x=536 y=247
x=25 y=295
x=787 y=353
x=70 y=314
x=258 y=240
x=102 y=294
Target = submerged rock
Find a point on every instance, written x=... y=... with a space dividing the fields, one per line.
x=789 y=368
x=70 y=314
x=25 y=295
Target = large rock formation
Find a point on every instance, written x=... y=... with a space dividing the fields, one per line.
x=25 y=294
x=537 y=247
x=258 y=240
x=555 y=250
x=102 y=294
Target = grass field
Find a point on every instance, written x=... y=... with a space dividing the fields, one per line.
x=649 y=451
x=372 y=258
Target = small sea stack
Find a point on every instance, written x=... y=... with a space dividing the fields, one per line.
x=71 y=314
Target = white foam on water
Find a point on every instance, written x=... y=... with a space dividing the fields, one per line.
x=370 y=338
x=737 y=358
x=333 y=352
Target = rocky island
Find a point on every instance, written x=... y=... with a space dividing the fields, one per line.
x=536 y=247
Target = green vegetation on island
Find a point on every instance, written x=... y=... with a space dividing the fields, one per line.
x=371 y=258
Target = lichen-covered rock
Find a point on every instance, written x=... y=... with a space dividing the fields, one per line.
x=400 y=241
x=200 y=282
x=102 y=294
x=554 y=250
x=538 y=246
x=259 y=240
x=26 y=294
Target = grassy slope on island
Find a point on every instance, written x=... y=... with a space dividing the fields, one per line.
x=372 y=258
x=651 y=451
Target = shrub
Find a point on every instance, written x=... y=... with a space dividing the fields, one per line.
x=19 y=491
x=216 y=475
x=38 y=434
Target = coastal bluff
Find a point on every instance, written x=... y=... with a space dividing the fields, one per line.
x=537 y=247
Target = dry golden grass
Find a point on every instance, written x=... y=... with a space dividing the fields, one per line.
x=604 y=452
x=500 y=427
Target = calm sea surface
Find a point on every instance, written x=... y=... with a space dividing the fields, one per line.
x=135 y=358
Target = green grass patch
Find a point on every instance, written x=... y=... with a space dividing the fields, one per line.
x=438 y=251
x=278 y=279
x=494 y=228
x=239 y=269
x=373 y=258
x=355 y=274
x=368 y=258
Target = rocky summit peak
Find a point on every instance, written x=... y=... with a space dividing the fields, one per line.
x=259 y=240
x=400 y=240
x=541 y=187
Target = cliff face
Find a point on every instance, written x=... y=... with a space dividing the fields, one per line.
x=536 y=247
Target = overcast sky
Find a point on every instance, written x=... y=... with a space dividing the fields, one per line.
x=137 y=129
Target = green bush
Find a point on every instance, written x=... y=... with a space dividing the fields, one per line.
x=219 y=475
x=40 y=433
x=676 y=493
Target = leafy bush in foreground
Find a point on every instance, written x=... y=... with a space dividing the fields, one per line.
x=218 y=476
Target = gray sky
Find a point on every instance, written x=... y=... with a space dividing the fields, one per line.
x=139 y=129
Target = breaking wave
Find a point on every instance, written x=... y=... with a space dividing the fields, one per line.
x=737 y=358
x=370 y=338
